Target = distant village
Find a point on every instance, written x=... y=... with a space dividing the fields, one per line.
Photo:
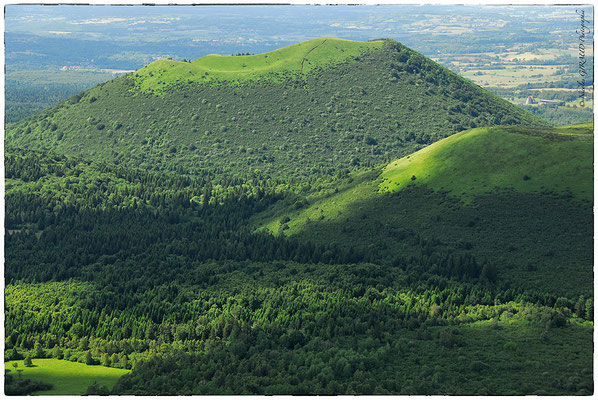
x=531 y=101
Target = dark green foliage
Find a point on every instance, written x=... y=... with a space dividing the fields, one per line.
x=397 y=363
x=28 y=362
x=164 y=263
x=560 y=115
x=13 y=354
x=589 y=315
x=97 y=390
x=534 y=242
x=57 y=352
x=479 y=366
x=16 y=386
x=89 y=359
x=38 y=351
x=25 y=95
x=163 y=273
x=100 y=221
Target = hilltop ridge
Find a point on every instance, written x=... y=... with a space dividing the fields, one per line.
x=250 y=233
x=293 y=60
x=484 y=160
x=465 y=166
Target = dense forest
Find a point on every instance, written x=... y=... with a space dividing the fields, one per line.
x=135 y=240
x=161 y=273
x=26 y=98
x=560 y=115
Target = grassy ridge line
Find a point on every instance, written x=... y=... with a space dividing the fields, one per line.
x=305 y=58
x=291 y=59
x=485 y=160
x=467 y=164
x=68 y=378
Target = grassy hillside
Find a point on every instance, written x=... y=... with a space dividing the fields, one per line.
x=469 y=164
x=66 y=377
x=469 y=193
x=275 y=66
x=359 y=109
x=487 y=160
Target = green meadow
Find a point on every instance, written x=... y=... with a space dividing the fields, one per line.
x=68 y=378
x=486 y=160
x=296 y=59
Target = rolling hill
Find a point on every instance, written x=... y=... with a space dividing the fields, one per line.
x=291 y=61
x=313 y=108
x=521 y=197
x=485 y=160
x=334 y=217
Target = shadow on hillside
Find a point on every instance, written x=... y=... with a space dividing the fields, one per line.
x=536 y=241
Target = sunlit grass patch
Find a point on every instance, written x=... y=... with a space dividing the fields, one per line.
x=68 y=378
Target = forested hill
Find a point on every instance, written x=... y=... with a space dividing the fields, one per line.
x=317 y=107
x=520 y=197
x=163 y=274
x=133 y=240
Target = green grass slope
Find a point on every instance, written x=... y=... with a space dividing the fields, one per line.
x=485 y=160
x=470 y=195
x=355 y=104
x=68 y=378
x=293 y=60
x=469 y=164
